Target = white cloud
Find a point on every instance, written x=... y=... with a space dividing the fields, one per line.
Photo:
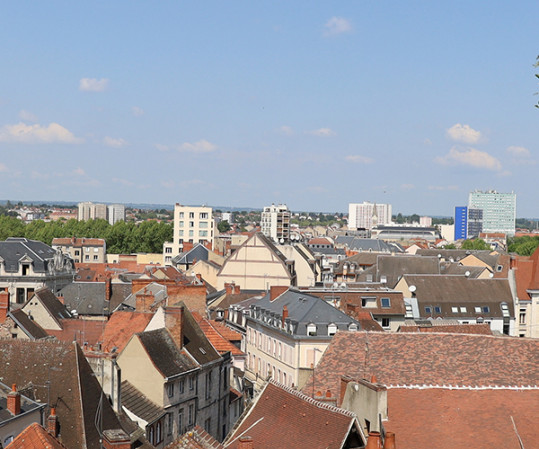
x=471 y=157
x=463 y=133
x=116 y=143
x=93 y=84
x=161 y=147
x=358 y=159
x=286 y=130
x=20 y=132
x=79 y=171
x=202 y=146
x=323 y=132
x=337 y=25
x=27 y=116
x=137 y=112
x=443 y=188
x=518 y=151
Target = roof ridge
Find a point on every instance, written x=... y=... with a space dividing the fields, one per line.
x=312 y=401
x=461 y=387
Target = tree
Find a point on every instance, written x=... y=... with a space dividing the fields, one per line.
x=223 y=226
x=477 y=244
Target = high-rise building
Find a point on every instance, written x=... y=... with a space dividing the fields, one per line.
x=115 y=213
x=193 y=224
x=499 y=210
x=366 y=215
x=468 y=223
x=275 y=222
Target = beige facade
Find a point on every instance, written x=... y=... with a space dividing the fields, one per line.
x=82 y=250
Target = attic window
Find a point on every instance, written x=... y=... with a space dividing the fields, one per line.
x=505 y=309
x=409 y=311
x=386 y=302
x=202 y=350
x=311 y=330
x=499 y=268
x=332 y=329
x=437 y=309
x=25 y=269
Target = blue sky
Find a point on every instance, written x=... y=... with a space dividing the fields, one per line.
x=247 y=103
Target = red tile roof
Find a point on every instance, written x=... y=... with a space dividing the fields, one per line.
x=79 y=330
x=478 y=329
x=216 y=338
x=35 y=437
x=427 y=358
x=282 y=417
x=121 y=326
x=196 y=438
x=78 y=242
x=449 y=419
x=527 y=274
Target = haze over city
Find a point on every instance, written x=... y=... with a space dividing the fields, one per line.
x=244 y=104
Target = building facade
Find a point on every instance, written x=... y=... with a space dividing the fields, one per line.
x=115 y=213
x=366 y=215
x=193 y=224
x=499 y=210
x=275 y=223
x=93 y=211
x=82 y=250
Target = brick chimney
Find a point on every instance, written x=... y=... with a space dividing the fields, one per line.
x=229 y=287
x=237 y=289
x=373 y=441
x=277 y=290
x=284 y=315
x=144 y=300
x=174 y=323
x=52 y=423
x=108 y=289
x=4 y=305
x=14 y=401
x=245 y=442
x=116 y=439
x=389 y=442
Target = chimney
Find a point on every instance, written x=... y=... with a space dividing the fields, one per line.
x=144 y=301
x=373 y=441
x=284 y=315
x=108 y=289
x=389 y=442
x=199 y=277
x=277 y=290
x=230 y=287
x=174 y=323
x=116 y=439
x=245 y=442
x=14 y=401
x=237 y=289
x=4 y=305
x=61 y=299
x=52 y=423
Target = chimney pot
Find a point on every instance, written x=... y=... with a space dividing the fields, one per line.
x=328 y=393
x=245 y=442
x=389 y=442
x=52 y=423
x=14 y=400
x=373 y=441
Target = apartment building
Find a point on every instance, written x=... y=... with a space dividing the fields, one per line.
x=275 y=223
x=92 y=211
x=499 y=210
x=82 y=250
x=366 y=215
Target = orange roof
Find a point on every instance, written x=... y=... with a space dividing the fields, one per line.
x=121 y=326
x=218 y=341
x=443 y=418
x=79 y=330
x=527 y=274
x=35 y=437
x=478 y=329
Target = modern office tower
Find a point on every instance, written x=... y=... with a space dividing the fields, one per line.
x=275 y=222
x=115 y=213
x=366 y=215
x=468 y=223
x=499 y=210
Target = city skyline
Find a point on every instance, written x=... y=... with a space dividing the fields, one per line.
x=314 y=106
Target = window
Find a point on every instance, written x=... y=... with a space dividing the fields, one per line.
x=386 y=303
x=96 y=257
x=208 y=385
x=463 y=310
x=191 y=215
x=181 y=224
x=170 y=420
x=191 y=414
x=87 y=257
x=87 y=249
x=203 y=215
x=180 y=421
x=96 y=250
x=158 y=433
x=522 y=316
x=77 y=252
x=203 y=233
x=207 y=425
x=332 y=329
x=168 y=250
x=191 y=224
x=385 y=323
x=455 y=309
x=181 y=385
x=311 y=329
x=170 y=390
x=505 y=309
x=428 y=310
x=437 y=309
x=486 y=309
x=191 y=233
x=477 y=309
x=368 y=302
x=203 y=224
x=26 y=268
x=181 y=215
x=191 y=383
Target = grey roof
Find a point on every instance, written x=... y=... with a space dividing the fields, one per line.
x=14 y=248
x=329 y=251
x=159 y=292
x=27 y=404
x=303 y=309
x=164 y=353
x=393 y=267
x=33 y=330
x=195 y=341
x=58 y=310
x=87 y=298
x=198 y=252
x=463 y=270
x=138 y=404
x=458 y=254
x=361 y=244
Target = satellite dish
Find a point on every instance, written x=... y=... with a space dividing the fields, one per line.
x=282 y=241
x=467 y=274
x=412 y=288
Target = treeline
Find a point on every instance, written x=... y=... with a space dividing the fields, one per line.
x=524 y=246
x=121 y=238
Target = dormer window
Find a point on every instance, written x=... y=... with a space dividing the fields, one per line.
x=332 y=329
x=311 y=330
x=25 y=269
x=352 y=327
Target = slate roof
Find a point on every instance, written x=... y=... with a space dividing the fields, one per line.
x=393 y=267
x=27 y=404
x=362 y=244
x=304 y=309
x=427 y=358
x=87 y=298
x=14 y=248
x=74 y=389
x=159 y=292
x=447 y=254
x=198 y=252
x=462 y=418
x=448 y=291
x=195 y=341
x=164 y=353
x=33 y=330
x=138 y=404
x=283 y=417
x=461 y=270
x=53 y=305
x=35 y=437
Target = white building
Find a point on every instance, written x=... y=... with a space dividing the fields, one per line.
x=115 y=213
x=275 y=222
x=499 y=210
x=193 y=224
x=366 y=215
